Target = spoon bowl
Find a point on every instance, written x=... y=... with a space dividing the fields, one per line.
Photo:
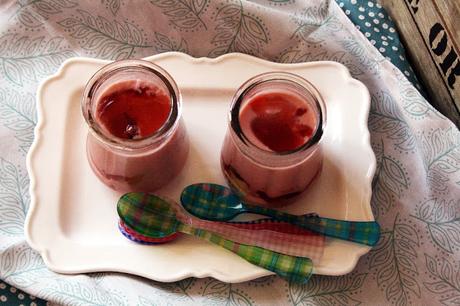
x=136 y=237
x=144 y=213
x=211 y=202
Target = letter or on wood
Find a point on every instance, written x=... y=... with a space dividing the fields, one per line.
x=431 y=34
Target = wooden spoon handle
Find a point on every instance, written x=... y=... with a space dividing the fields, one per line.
x=295 y=269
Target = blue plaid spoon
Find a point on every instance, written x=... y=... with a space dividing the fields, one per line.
x=217 y=203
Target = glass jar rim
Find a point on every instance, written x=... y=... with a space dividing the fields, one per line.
x=107 y=71
x=288 y=77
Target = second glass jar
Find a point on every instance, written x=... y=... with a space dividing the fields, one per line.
x=272 y=150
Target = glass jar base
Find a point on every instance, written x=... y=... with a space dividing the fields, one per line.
x=261 y=197
x=146 y=178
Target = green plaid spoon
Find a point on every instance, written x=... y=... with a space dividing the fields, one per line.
x=217 y=203
x=147 y=214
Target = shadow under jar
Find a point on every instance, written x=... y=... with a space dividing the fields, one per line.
x=137 y=139
x=272 y=149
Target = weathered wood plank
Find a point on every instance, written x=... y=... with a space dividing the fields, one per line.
x=430 y=32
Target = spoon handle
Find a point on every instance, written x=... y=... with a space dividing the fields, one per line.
x=364 y=232
x=295 y=269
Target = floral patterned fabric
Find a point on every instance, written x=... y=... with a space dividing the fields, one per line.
x=416 y=189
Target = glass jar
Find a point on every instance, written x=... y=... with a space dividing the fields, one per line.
x=273 y=176
x=134 y=163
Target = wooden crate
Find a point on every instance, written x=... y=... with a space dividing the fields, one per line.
x=430 y=31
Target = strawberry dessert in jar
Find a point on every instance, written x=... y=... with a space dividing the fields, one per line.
x=272 y=149
x=137 y=139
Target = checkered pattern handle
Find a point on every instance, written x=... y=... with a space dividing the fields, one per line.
x=273 y=235
x=295 y=269
x=364 y=232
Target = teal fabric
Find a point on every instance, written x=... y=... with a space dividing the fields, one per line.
x=377 y=26
x=10 y=296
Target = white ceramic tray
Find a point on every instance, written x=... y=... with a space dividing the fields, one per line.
x=72 y=221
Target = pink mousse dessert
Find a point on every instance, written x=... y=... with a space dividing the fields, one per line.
x=272 y=149
x=137 y=139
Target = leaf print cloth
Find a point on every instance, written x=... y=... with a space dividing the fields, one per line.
x=416 y=189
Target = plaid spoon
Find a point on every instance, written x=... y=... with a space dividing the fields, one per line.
x=218 y=203
x=147 y=214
